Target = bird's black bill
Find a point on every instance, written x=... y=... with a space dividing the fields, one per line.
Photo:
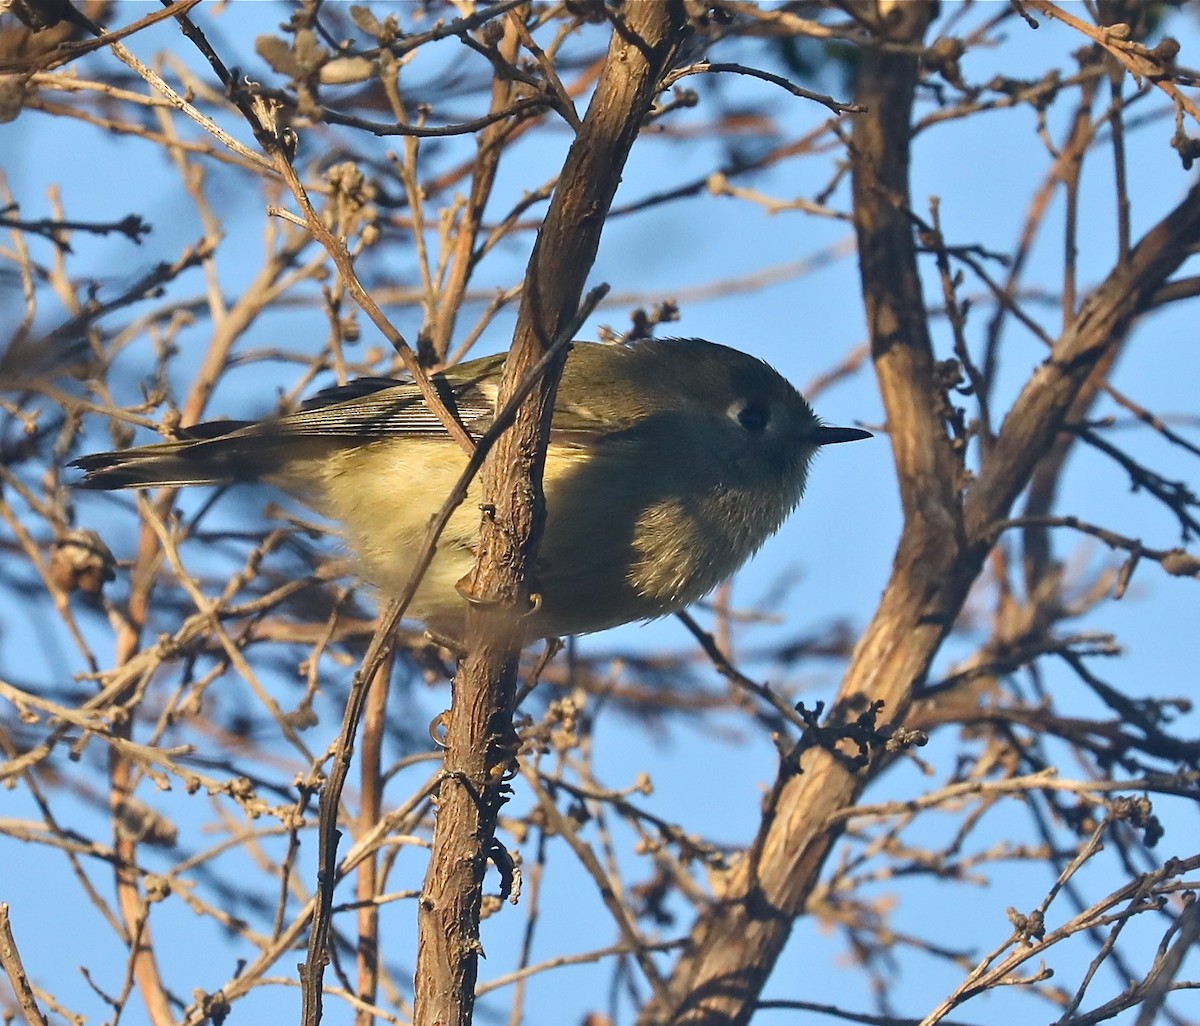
x=829 y=435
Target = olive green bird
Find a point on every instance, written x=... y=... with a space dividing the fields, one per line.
x=670 y=463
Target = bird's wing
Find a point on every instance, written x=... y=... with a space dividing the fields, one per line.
x=385 y=407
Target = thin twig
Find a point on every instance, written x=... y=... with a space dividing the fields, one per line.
x=10 y=958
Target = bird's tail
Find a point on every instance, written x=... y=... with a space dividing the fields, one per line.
x=233 y=454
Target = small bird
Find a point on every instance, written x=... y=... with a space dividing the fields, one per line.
x=670 y=462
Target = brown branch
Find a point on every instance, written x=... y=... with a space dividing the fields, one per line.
x=336 y=248
x=367 y=888
x=620 y=910
x=941 y=551
x=565 y=105
x=66 y=52
x=489 y=148
x=1159 y=980
x=480 y=742
x=10 y=959
x=1155 y=65
x=705 y=68
x=721 y=663
x=312 y=970
x=394 y=128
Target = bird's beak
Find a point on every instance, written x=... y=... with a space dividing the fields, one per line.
x=829 y=435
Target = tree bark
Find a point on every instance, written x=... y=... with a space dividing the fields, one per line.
x=480 y=742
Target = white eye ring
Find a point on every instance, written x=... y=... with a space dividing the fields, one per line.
x=752 y=415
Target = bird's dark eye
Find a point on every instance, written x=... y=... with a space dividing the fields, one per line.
x=754 y=416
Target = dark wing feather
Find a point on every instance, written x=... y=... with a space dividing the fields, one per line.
x=385 y=407
x=356 y=389
x=210 y=429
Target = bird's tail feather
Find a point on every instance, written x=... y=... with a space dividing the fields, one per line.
x=221 y=460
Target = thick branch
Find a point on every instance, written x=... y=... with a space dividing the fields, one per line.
x=736 y=942
x=480 y=743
